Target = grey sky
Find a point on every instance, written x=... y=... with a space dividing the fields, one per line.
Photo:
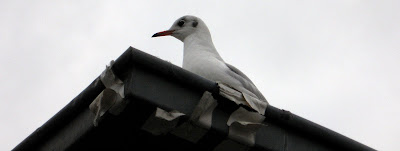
x=333 y=62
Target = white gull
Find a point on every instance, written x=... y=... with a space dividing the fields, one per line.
x=201 y=57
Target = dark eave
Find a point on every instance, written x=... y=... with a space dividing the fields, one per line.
x=151 y=82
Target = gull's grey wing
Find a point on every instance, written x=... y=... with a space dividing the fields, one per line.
x=246 y=82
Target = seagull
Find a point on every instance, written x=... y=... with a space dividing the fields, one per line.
x=201 y=57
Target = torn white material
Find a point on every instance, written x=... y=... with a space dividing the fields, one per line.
x=158 y=126
x=162 y=121
x=193 y=130
x=109 y=80
x=203 y=110
x=243 y=126
x=245 y=117
x=242 y=98
x=200 y=120
x=202 y=113
x=169 y=116
x=103 y=102
x=111 y=98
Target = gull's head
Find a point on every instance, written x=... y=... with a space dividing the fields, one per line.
x=184 y=27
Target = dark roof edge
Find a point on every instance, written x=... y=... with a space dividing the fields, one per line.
x=136 y=57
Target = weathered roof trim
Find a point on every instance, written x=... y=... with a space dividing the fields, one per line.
x=133 y=57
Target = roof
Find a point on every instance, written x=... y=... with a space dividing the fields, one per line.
x=150 y=83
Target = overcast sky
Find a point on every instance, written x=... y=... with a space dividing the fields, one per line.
x=336 y=63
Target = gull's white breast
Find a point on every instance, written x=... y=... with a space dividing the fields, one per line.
x=208 y=66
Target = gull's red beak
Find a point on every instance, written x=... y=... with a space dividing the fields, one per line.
x=163 y=33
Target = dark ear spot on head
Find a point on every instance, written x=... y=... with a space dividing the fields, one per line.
x=195 y=23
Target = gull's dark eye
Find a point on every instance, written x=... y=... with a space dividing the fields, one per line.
x=180 y=23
